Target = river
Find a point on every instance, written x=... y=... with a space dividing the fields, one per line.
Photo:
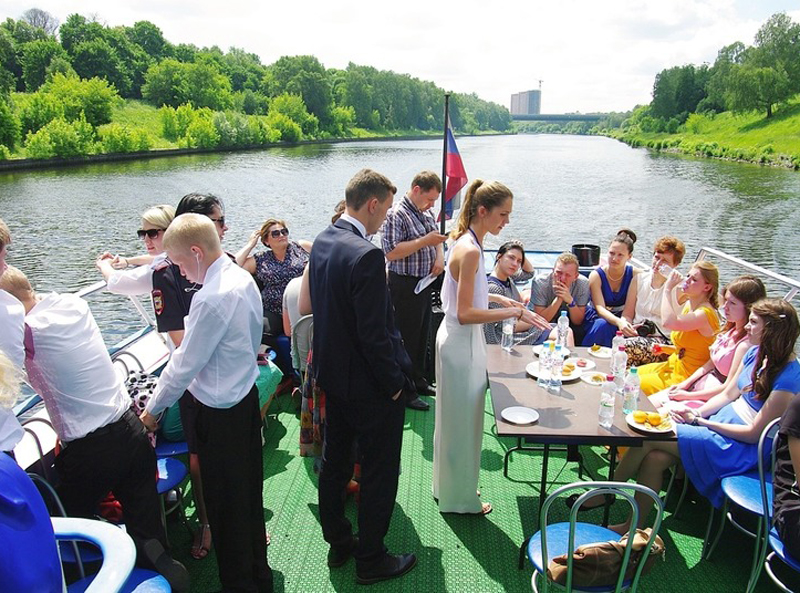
x=568 y=189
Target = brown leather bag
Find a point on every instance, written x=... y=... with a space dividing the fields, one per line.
x=598 y=564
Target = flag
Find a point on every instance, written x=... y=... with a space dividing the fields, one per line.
x=456 y=175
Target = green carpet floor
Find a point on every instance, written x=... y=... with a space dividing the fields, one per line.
x=455 y=553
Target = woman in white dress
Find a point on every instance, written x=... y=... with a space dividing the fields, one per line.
x=461 y=380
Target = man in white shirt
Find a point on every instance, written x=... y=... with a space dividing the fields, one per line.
x=104 y=446
x=12 y=321
x=217 y=363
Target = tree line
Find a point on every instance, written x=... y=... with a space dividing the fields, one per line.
x=60 y=82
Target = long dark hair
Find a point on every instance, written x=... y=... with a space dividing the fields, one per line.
x=748 y=289
x=780 y=332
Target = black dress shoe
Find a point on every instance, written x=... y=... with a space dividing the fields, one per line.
x=417 y=404
x=156 y=557
x=426 y=390
x=389 y=567
x=339 y=555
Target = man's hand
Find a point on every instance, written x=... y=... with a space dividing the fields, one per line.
x=433 y=239
x=149 y=421
x=562 y=291
x=438 y=265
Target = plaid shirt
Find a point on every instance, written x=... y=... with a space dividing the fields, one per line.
x=406 y=222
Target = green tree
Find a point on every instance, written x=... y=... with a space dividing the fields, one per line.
x=61 y=138
x=204 y=86
x=162 y=83
x=78 y=29
x=752 y=87
x=304 y=76
x=293 y=107
x=36 y=59
x=149 y=37
x=9 y=126
x=97 y=58
x=778 y=46
x=37 y=110
x=92 y=100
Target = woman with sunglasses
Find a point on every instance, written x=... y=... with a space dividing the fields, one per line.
x=172 y=295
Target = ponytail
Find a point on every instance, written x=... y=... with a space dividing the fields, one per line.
x=489 y=194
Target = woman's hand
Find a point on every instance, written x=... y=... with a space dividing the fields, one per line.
x=504 y=301
x=681 y=394
x=673 y=280
x=535 y=319
x=682 y=414
x=626 y=328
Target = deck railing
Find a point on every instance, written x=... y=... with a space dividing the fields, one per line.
x=794 y=285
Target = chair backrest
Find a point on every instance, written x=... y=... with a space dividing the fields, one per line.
x=622 y=490
x=302 y=334
x=766 y=463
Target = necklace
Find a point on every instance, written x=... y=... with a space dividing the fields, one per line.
x=615 y=279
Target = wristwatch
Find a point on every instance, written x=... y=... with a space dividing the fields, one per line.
x=694 y=419
x=572 y=304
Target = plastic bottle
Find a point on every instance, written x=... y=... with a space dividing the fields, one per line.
x=630 y=392
x=507 y=340
x=543 y=380
x=607 y=396
x=556 y=365
x=563 y=329
x=617 y=341
x=619 y=363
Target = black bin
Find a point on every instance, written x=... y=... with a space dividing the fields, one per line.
x=588 y=255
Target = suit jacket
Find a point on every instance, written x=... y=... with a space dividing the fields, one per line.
x=358 y=352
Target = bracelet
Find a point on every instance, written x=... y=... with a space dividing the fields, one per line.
x=694 y=420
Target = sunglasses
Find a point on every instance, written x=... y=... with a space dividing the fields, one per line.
x=278 y=233
x=220 y=220
x=152 y=233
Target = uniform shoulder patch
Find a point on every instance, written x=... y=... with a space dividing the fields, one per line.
x=158 y=301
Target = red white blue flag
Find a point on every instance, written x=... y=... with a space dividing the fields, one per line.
x=456 y=175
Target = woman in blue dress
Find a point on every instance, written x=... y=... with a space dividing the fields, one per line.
x=720 y=438
x=613 y=303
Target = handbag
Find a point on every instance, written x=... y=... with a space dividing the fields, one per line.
x=598 y=564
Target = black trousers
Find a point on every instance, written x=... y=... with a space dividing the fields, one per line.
x=412 y=316
x=229 y=447
x=117 y=457
x=377 y=428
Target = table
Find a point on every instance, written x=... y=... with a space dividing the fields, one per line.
x=568 y=418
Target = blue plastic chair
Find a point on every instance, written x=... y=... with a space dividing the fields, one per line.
x=28 y=555
x=171 y=473
x=171 y=448
x=562 y=538
x=745 y=492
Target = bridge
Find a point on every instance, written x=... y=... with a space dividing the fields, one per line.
x=557 y=117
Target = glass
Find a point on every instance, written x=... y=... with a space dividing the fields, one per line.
x=152 y=233
x=508 y=334
x=278 y=232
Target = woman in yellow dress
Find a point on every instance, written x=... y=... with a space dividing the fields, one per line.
x=693 y=327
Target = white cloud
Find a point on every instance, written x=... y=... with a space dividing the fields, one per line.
x=592 y=56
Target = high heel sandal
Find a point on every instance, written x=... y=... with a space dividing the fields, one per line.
x=199 y=549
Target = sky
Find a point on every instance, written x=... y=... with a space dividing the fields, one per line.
x=590 y=55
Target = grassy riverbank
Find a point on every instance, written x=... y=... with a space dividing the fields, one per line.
x=741 y=137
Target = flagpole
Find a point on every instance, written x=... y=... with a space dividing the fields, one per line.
x=444 y=159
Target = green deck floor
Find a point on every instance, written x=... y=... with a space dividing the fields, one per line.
x=455 y=553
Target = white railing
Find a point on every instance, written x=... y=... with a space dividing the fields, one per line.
x=794 y=285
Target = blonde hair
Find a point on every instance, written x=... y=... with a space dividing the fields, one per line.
x=5 y=234
x=489 y=194
x=9 y=382
x=15 y=283
x=710 y=274
x=159 y=216
x=192 y=229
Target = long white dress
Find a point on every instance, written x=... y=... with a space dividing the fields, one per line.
x=461 y=384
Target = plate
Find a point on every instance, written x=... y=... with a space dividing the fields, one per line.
x=604 y=352
x=519 y=415
x=646 y=427
x=589 y=378
x=590 y=364
x=537 y=350
x=533 y=370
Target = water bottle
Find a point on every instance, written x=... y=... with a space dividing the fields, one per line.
x=630 y=392
x=556 y=365
x=607 y=395
x=507 y=340
x=617 y=341
x=619 y=363
x=563 y=329
x=664 y=269
x=543 y=380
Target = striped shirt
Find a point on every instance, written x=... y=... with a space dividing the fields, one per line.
x=406 y=222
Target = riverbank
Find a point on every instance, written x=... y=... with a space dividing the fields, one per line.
x=750 y=138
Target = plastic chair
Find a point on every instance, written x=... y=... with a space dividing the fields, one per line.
x=744 y=491
x=166 y=448
x=773 y=540
x=562 y=538
x=302 y=333
x=28 y=556
x=171 y=472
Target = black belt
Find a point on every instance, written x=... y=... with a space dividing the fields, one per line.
x=115 y=426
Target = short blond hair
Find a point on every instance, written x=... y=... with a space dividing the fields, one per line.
x=159 y=216
x=9 y=382
x=568 y=259
x=5 y=234
x=15 y=283
x=192 y=229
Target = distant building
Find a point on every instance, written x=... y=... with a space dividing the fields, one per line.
x=526 y=103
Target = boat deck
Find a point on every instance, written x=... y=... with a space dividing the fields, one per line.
x=455 y=553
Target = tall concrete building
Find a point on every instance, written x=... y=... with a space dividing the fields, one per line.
x=526 y=103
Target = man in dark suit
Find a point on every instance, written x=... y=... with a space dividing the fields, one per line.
x=361 y=364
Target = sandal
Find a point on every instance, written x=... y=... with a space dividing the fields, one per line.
x=586 y=506
x=199 y=549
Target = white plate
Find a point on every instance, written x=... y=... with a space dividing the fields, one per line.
x=590 y=364
x=588 y=377
x=537 y=350
x=533 y=370
x=604 y=352
x=646 y=427
x=519 y=415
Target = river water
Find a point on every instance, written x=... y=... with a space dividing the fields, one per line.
x=568 y=189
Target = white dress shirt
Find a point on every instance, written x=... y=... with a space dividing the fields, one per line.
x=12 y=331
x=217 y=359
x=356 y=223
x=137 y=281
x=71 y=369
